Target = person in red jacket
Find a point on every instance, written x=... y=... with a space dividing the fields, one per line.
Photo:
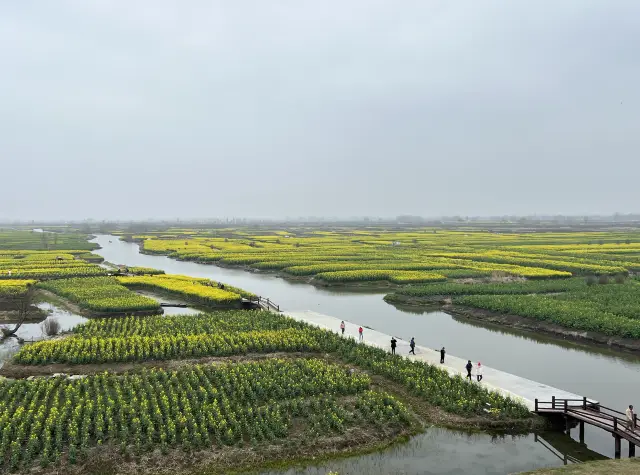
x=360 y=334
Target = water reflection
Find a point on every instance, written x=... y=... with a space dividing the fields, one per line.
x=34 y=331
x=440 y=451
x=170 y=300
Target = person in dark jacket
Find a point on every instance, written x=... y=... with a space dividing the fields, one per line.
x=469 y=368
x=412 y=344
x=442 y=353
x=393 y=345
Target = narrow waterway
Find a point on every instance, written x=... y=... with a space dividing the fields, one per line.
x=34 y=331
x=612 y=378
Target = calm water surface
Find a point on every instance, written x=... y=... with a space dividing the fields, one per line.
x=612 y=378
x=67 y=320
x=28 y=331
x=442 y=452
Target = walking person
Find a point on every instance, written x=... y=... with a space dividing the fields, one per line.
x=360 y=334
x=469 y=368
x=442 y=353
x=479 y=372
x=631 y=416
x=342 y=327
x=393 y=345
x=412 y=344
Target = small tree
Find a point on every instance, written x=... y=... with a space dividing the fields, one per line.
x=20 y=304
x=590 y=280
x=621 y=278
x=603 y=279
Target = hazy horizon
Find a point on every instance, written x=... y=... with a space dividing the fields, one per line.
x=166 y=109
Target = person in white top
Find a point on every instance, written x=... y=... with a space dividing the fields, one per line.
x=342 y=326
x=631 y=423
x=479 y=372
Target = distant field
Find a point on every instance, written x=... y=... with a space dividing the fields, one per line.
x=366 y=255
x=579 y=280
x=31 y=240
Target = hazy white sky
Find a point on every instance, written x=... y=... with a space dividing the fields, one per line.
x=164 y=109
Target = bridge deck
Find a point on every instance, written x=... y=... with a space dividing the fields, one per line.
x=525 y=390
x=599 y=419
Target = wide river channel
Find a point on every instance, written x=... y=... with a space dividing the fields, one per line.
x=609 y=377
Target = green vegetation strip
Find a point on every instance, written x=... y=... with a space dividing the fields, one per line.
x=199 y=291
x=476 y=288
x=584 y=316
x=192 y=408
x=143 y=348
x=611 y=307
x=226 y=333
x=44 y=241
x=177 y=325
x=100 y=294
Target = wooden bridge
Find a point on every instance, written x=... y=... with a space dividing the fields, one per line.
x=589 y=412
x=266 y=304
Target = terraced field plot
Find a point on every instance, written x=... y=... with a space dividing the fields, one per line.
x=296 y=386
x=195 y=290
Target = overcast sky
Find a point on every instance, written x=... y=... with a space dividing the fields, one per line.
x=165 y=109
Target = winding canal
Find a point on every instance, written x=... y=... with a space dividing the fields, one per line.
x=610 y=377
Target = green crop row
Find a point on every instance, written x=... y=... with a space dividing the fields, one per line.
x=177 y=325
x=573 y=314
x=225 y=333
x=53 y=272
x=491 y=288
x=199 y=291
x=395 y=276
x=100 y=294
x=91 y=350
x=30 y=240
x=48 y=420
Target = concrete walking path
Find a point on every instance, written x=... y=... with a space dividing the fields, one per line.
x=506 y=384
